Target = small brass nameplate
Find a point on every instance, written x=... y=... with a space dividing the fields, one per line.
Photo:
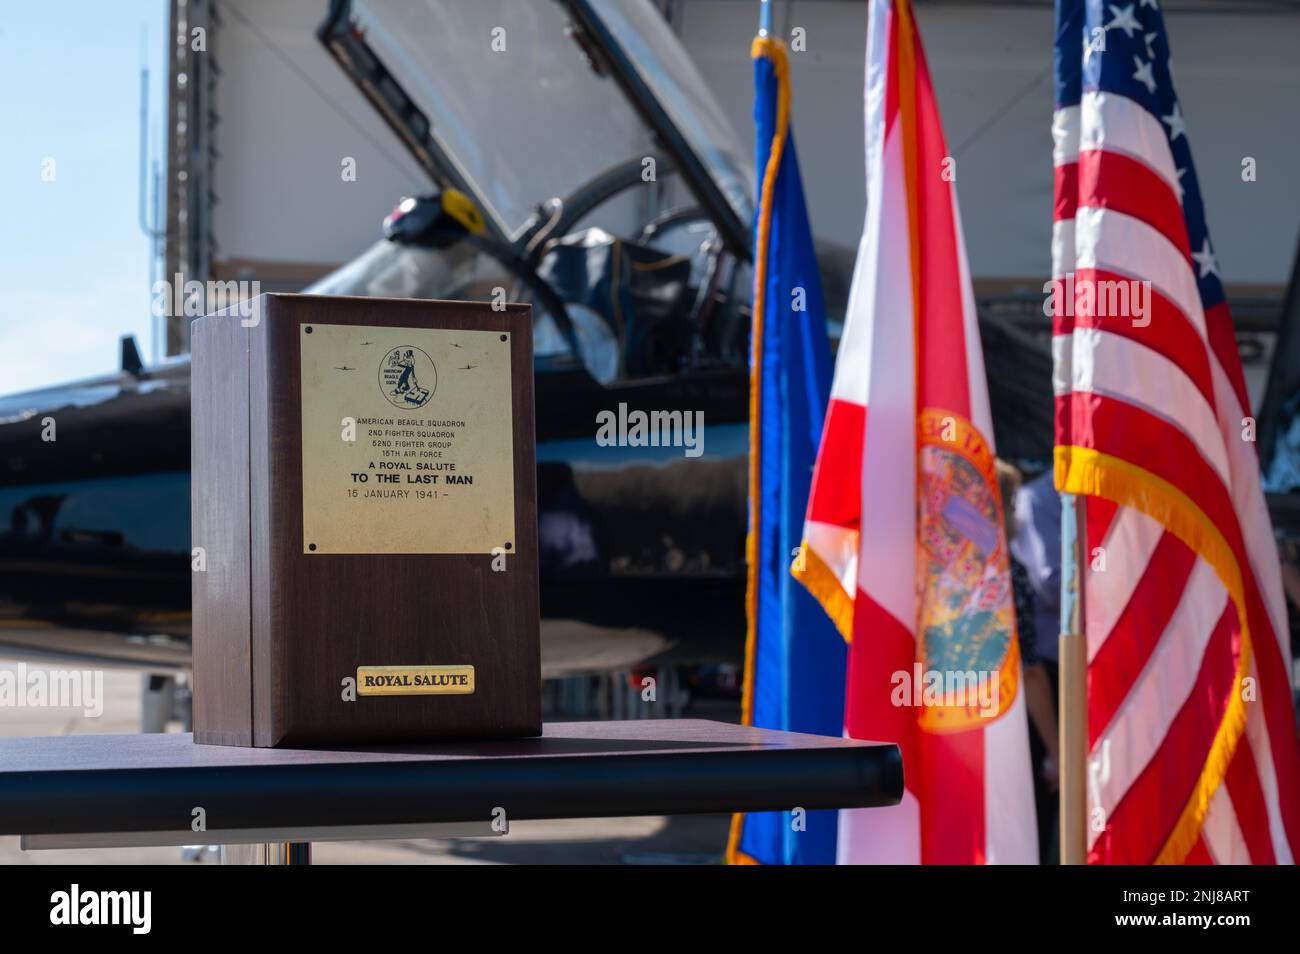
x=415 y=680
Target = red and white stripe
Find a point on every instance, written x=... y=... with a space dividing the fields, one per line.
x=1164 y=634
x=910 y=341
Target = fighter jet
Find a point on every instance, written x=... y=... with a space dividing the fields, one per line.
x=629 y=235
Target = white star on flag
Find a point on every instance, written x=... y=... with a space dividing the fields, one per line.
x=1175 y=123
x=1145 y=74
x=1124 y=19
x=1205 y=258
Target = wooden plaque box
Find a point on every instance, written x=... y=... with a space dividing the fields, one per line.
x=364 y=522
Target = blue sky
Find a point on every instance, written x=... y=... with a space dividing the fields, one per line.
x=74 y=265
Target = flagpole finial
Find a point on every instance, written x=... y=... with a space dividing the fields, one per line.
x=764 y=17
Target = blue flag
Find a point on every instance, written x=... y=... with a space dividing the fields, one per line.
x=794 y=656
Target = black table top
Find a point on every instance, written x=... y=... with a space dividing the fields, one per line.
x=144 y=783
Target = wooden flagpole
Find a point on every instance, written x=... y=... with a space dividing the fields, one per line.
x=1073 y=654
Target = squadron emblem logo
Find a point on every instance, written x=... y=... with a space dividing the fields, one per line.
x=407 y=377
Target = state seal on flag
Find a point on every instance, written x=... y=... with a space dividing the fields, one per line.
x=966 y=612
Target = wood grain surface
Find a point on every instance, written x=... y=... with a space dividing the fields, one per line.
x=314 y=618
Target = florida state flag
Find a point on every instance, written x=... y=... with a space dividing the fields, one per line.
x=904 y=543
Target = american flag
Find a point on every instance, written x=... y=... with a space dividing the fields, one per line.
x=1191 y=733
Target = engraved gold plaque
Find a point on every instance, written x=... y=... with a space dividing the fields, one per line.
x=407 y=444
x=415 y=680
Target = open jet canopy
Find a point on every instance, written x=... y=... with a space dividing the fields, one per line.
x=516 y=102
